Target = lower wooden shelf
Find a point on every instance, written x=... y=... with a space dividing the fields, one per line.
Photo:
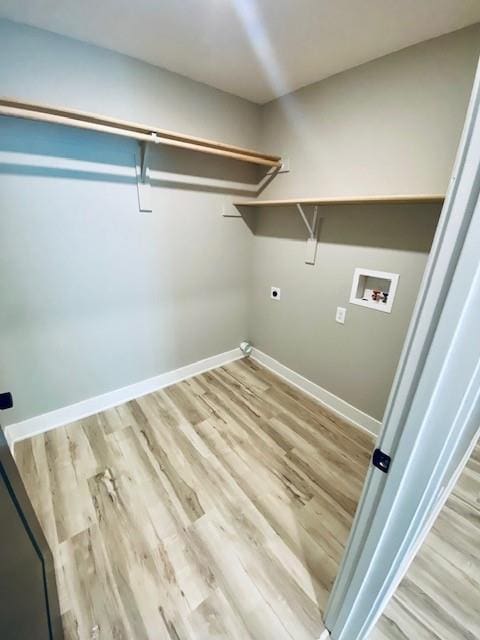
x=385 y=199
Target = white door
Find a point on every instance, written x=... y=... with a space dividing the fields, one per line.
x=433 y=413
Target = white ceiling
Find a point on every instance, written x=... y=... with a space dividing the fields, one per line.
x=257 y=49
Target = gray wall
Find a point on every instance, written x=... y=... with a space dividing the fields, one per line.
x=95 y=295
x=389 y=126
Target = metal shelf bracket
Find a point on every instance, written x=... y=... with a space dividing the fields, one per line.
x=142 y=170
x=144 y=147
x=144 y=154
x=312 y=228
x=142 y=166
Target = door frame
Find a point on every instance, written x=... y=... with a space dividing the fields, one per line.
x=432 y=418
x=10 y=475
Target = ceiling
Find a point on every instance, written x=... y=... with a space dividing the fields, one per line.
x=257 y=49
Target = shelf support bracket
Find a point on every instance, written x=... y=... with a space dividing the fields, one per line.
x=142 y=169
x=144 y=149
x=312 y=228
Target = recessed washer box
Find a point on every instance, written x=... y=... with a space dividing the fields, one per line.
x=374 y=289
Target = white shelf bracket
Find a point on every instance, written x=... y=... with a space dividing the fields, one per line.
x=144 y=155
x=142 y=170
x=144 y=148
x=312 y=229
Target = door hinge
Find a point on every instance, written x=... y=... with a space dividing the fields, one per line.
x=6 y=401
x=381 y=460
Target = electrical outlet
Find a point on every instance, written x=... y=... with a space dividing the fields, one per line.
x=275 y=293
x=340 y=315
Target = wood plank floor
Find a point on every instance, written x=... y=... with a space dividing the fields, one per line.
x=217 y=508
x=439 y=598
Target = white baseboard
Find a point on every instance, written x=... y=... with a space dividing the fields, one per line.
x=59 y=417
x=331 y=401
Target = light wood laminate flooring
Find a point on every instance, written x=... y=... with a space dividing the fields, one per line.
x=217 y=508
x=439 y=598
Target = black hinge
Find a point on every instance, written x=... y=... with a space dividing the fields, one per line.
x=381 y=460
x=6 y=401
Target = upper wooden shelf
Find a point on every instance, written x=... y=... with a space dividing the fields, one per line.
x=393 y=199
x=141 y=132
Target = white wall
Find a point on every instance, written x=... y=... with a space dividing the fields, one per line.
x=95 y=295
x=389 y=126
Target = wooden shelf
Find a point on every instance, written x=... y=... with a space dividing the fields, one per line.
x=392 y=199
x=312 y=225
x=144 y=133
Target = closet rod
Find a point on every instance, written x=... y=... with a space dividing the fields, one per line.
x=143 y=133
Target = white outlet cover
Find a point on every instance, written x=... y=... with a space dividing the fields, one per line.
x=275 y=293
x=340 y=315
